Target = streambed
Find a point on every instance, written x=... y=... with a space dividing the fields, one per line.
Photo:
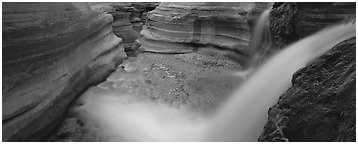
x=197 y=81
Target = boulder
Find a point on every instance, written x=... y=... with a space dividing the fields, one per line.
x=320 y=104
x=51 y=53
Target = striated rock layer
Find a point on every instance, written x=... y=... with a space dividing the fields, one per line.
x=128 y=18
x=122 y=26
x=183 y=27
x=320 y=105
x=293 y=21
x=139 y=17
x=51 y=53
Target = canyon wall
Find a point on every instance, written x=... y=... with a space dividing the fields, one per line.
x=51 y=53
x=320 y=104
x=129 y=17
x=184 y=27
x=122 y=26
x=293 y=21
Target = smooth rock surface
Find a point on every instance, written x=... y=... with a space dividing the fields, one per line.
x=51 y=53
x=184 y=27
x=321 y=104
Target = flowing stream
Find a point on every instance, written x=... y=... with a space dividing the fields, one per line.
x=240 y=118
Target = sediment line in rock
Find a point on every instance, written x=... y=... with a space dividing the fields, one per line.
x=189 y=25
x=64 y=49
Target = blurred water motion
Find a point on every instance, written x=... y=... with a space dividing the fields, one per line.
x=244 y=115
x=241 y=118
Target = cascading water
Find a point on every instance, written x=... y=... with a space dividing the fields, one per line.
x=240 y=118
x=260 y=44
x=243 y=115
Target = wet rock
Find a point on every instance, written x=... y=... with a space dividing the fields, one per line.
x=320 y=105
x=183 y=27
x=293 y=21
x=51 y=53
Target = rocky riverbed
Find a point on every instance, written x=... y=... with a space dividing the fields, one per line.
x=181 y=55
x=198 y=81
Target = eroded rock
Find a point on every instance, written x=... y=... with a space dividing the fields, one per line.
x=128 y=18
x=293 y=21
x=51 y=53
x=183 y=27
x=320 y=105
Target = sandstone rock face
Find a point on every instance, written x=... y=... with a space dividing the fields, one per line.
x=139 y=17
x=183 y=27
x=320 y=105
x=51 y=53
x=122 y=26
x=128 y=18
x=293 y=21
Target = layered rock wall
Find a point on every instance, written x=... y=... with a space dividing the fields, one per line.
x=183 y=27
x=51 y=53
x=122 y=26
x=128 y=18
x=139 y=17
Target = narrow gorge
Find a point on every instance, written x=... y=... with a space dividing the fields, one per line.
x=178 y=71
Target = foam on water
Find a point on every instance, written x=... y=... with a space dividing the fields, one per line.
x=241 y=118
x=125 y=118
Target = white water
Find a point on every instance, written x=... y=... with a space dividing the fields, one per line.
x=260 y=42
x=241 y=118
x=126 y=118
x=244 y=115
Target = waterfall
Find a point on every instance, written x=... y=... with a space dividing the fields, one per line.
x=260 y=42
x=260 y=45
x=241 y=118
